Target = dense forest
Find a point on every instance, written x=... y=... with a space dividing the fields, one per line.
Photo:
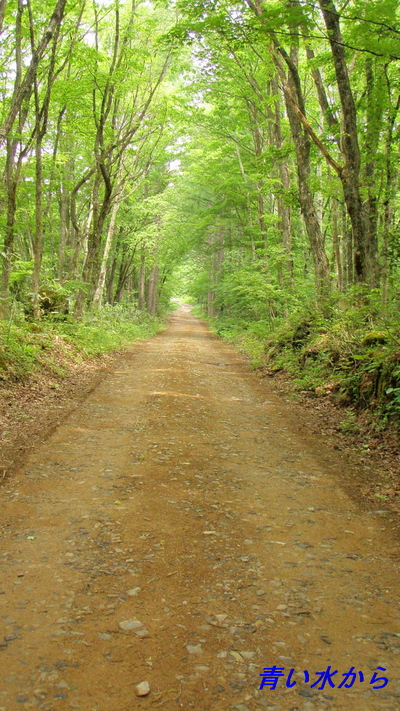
x=241 y=155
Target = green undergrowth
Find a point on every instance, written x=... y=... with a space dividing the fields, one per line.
x=349 y=351
x=28 y=347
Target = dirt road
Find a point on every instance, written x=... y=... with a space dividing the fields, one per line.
x=180 y=529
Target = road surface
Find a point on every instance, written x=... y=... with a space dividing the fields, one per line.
x=180 y=528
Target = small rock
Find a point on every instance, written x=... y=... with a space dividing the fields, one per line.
x=306 y=693
x=194 y=648
x=142 y=632
x=285 y=660
x=237 y=656
x=142 y=689
x=129 y=625
x=248 y=542
x=133 y=591
x=282 y=607
x=105 y=635
x=221 y=617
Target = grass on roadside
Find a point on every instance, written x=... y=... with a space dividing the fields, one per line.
x=29 y=347
x=349 y=352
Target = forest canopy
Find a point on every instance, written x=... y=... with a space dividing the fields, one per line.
x=244 y=154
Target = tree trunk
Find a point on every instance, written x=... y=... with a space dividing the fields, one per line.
x=142 y=280
x=152 y=291
x=98 y=296
x=284 y=211
x=89 y=246
x=12 y=171
x=371 y=146
x=11 y=193
x=123 y=273
x=302 y=146
x=336 y=243
x=26 y=86
x=38 y=238
x=113 y=270
x=64 y=209
x=363 y=251
x=248 y=201
x=389 y=197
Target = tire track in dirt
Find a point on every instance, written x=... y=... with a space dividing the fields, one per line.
x=181 y=495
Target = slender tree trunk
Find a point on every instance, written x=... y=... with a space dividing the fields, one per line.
x=142 y=280
x=372 y=143
x=294 y=99
x=363 y=250
x=258 y=142
x=284 y=211
x=11 y=194
x=389 y=196
x=64 y=209
x=2 y=13
x=50 y=191
x=313 y=228
x=336 y=243
x=113 y=270
x=152 y=291
x=38 y=238
x=348 y=249
x=89 y=248
x=123 y=273
x=12 y=170
x=261 y=220
x=26 y=86
x=98 y=296
x=248 y=200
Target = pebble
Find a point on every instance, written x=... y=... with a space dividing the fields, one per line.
x=285 y=660
x=221 y=617
x=133 y=591
x=142 y=632
x=142 y=689
x=129 y=625
x=237 y=656
x=194 y=648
